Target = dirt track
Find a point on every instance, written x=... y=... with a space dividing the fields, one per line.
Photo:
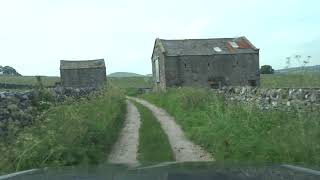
x=126 y=148
x=184 y=149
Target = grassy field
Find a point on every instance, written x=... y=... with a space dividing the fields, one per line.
x=121 y=82
x=29 y=80
x=132 y=83
x=300 y=80
x=307 y=80
x=76 y=132
x=153 y=142
x=242 y=133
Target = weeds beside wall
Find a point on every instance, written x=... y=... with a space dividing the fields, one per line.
x=75 y=132
x=238 y=132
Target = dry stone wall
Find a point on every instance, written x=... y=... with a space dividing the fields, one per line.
x=15 y=108
x=282 y=98
x=19 y=109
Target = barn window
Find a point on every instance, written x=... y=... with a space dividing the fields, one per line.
x=156 y=62
x=235 y=61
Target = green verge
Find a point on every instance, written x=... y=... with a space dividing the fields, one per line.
x=236 y=132
x=154 y=145
x=76 y=132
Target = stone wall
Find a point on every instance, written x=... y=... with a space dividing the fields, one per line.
x=15 y=108
x=20 y=108
x=15 y=86
x=281 y=98
x=60 y=93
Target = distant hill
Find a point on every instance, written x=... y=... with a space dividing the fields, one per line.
x=310 y=69
x=124 y=74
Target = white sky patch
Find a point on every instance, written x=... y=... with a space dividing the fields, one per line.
x=36 y=34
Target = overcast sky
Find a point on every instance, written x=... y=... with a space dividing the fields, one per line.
x=36 y=34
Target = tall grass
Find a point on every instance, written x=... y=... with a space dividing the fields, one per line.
x=243 y=133
x=153 y=142
x=75 y=132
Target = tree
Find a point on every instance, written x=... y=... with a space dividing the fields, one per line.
x=266 y=69
x=298 y=58
x=7 y=70
x=306 y=61
x=288 y=62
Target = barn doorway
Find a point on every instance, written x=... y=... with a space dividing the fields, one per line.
x=216 y=85
x=157 y=73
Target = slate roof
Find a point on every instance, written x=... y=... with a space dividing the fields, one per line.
x=207 y=46
x=84 y=64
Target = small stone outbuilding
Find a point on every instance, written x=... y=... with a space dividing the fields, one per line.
x=83 y=74
x=209 y=63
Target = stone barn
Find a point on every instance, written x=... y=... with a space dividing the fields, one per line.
x=82 y=74
x=211 y=63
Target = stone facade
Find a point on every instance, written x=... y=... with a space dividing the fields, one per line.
x=209 y=63
x=82 y=74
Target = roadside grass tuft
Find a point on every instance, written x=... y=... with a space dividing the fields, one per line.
x=237 y=132
x=154 y=145
x=76 y=132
